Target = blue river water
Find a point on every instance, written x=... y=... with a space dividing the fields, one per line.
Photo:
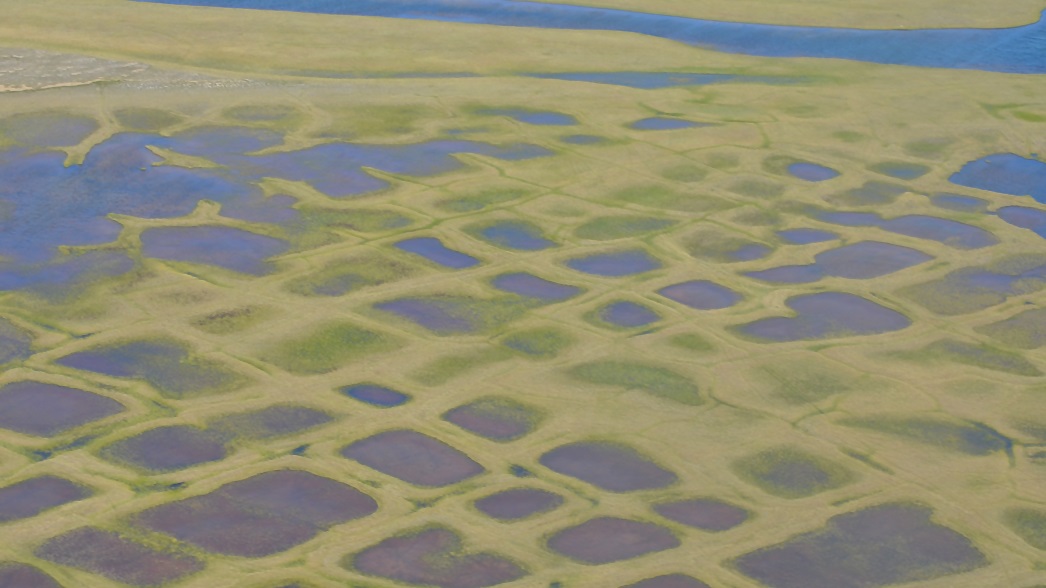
x=1018 y=49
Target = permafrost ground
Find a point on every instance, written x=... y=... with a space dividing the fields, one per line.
x=584 y=310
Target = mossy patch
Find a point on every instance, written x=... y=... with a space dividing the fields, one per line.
x=361 y=220
x=146 y=119
x=327 y=348
x=377 y=120
x=283 y=115
x=982 y=356
x=449 y=314
x=444 y=369
x=691 y=342
x=232 y=320
x=347 y=275
x=606 y=228
x=938 y=431
x=686 y=172
x=757 y=188
x=654 y=196
x=1026 y=330
x=716 y=244
x=792 y=472
x=168 y=365
x=633 y=375
x=539 y=343
x=481 y=199
x=1029 y=524
x=15 y=342
x=799 y=382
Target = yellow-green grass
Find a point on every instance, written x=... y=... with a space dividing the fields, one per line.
x=713 y=408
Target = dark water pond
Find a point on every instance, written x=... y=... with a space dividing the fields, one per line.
x=670 y=581
x=864 y=260
x=707 y=514
x=646 y=80
x=627 y=314
x=518 y=503
x=615 y=264
x=25 y=576
x=701 y=294
x=660 y=123
x=375 y=395
x=414 y=458
x=117 y=558
x=827 y=314
x=531 y=286
x=434 y=556
x=31 y=497
x=435 y=251
x=882 y=545
x=494 y=417
x=226 y=247
x=806 y=236
x=1033 y=219
x=261 y=515
x=518 y=235
x=1017 y=49
x=608 y=539
x=921 y=226
x=121 y=176
x=533 y=117
x=1006 y=173
x=812 y=172
x=610 y=466
x=959 y=202
x=37 y=408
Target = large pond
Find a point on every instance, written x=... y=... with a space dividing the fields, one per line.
x=1018 y=49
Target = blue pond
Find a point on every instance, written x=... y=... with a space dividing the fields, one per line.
x=806 y=236
x=518 y=235
x=1017 y=49
x=812 y=172
x=949 y=232
x=334 y=168
x=615 y=264
x=1005 y=173
x=531 y=286
x=867 y=259
x=375 y=395
x=121 y=176
x=660 y=123
x=750 y=252
x=225 y=247
x=443 y=316
x=533 y=117
x=627 y=314
x=701 y=294
x=435 y=251
x=959 y=202
x=824 y=315
x=645 y=80
x=1032 y=219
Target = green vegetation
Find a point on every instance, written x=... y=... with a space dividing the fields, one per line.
x=606 y=228
x=539 y=343
x=327 y=348
x=633 y=375
x=792 y=472
x=951 y=434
